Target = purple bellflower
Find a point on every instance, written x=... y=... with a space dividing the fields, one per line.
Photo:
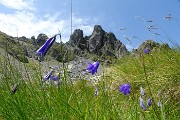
x=14 y=89
x=96 y=92
x=46 y=77
x=93 y=67
x=149 y=102
x=54 y=78
x=45 y=47
x=142 y=105
x=159 y=104
x=146 y=51
x=125 y=89
x=142 y=91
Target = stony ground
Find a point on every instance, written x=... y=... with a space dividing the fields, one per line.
x=76 y=69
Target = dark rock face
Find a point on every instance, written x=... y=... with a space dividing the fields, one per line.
x=96 y=39
x=109 y=40
x=77 y=39
x=99 y=43
x=121 y=51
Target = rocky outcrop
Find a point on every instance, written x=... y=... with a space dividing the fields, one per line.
x=113 y=46
x=152 y=46
x=76 y=39
x=95 y=42
x=99 y=43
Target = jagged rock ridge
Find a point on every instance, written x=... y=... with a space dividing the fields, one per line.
x=99 y=43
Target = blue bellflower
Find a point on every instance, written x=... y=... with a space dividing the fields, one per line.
x=93 y=67
x=159 y=104
x=142 y=105
x=96 y=92
x=149 y=102
x=142 y=91
x=146 y=51
x=54 y=78
x=46 y=77
x=125 y=89
x=14 y=89
x=45 y=47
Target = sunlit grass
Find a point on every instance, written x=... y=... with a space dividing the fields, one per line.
x=33 y=100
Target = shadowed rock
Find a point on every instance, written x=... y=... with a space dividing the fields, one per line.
x=76 y=39
x=96 y=39
x=99 y=43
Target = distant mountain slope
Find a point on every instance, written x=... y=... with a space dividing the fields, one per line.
x=100 y=45
x=13 y=47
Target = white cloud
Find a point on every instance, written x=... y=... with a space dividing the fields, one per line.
x=129 y=47
x=27 y=24
x=18 y=4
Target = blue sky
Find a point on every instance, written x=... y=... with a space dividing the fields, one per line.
x=32 y=17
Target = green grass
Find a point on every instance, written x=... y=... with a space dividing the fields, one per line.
x=158 y=73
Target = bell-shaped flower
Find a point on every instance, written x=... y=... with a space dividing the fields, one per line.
x=159 y=104
x=93 y=67
x=96 y=92
x=146 y=51
x=125 y=89
x=54 y=78
x=142 y=91
x=149 y=102
x=14 y=89
x=142 y=104
x=46 y=77
x=45 y=47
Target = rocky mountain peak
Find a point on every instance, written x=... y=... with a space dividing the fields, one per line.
x=77 y=39
x=97 y=28
x=96 y=39
x=99 y=42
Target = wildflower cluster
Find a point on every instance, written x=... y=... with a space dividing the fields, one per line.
x=50 y=77
x=92 y=68
x=141 y=99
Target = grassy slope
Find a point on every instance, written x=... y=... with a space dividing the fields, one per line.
x=158 y=73
x=77 y=101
